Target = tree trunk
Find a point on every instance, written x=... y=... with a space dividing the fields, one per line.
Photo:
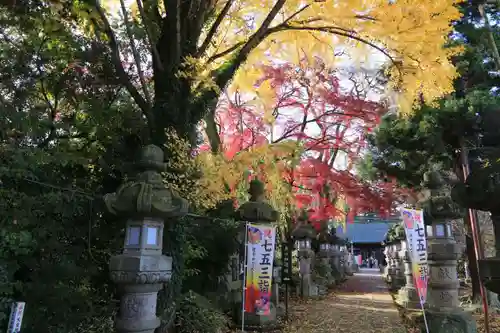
x=495 y=219
x=474 y=273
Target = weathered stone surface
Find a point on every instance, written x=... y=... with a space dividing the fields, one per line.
x=408 y=294
x=147 y=195
x=449 y=322
x=307 y=286
x=257 y=210
x=141 y=270
x=444 y=313
x=393 y=270
x=443 y=284
x=303 y=233
x=399 y=276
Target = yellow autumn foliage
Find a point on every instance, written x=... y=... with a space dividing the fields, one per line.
x=405 y=36
x=266 y=162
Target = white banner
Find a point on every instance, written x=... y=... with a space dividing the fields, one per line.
x=259 y=271
x=413 y=220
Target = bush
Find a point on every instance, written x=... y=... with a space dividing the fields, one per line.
x=195 y=314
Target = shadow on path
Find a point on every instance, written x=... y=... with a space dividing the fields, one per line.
x=362 y=304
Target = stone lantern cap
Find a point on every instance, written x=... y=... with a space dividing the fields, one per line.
x=305 y=231
x=256 y=209
x=324 y=234
x=147 y=195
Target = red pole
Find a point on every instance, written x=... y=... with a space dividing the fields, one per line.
x=476 y=239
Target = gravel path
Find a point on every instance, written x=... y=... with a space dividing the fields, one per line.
x=362 y=304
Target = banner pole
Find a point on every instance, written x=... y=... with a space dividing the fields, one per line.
x=425 y=318
x=244 y=279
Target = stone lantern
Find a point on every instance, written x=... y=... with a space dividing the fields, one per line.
x=141 y=270
x=444 y=313
x=322 y=265
x=399 y=277
x=387 y=267
x=335 y=255
x=442 y=258
x=392 y=263
x=341 y=258
x=344 y=267
x=303 y=234
x=408 y=294
x=348 y=261
x=257 y=210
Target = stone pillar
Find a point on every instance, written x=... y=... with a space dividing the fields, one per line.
x=408 y=295
x=141 y=270
x=323 y=271
x=348 y=263
x=343 y=262
x=392 y=264
x=275 y=297
x=387 y=266
x=399 y=276
x=306 y=256
x=335 y=263
x=444 y=312
x=234 y=279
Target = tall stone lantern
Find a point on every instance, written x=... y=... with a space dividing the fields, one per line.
x=399 y=277
x=335 y=256
x=387 y=266
x=258 y=211
x=344 y=267
x=444 y=313
x=141 y=270
x=408 y=294
x=391 y=260
x=303 y=235
x=323 y=258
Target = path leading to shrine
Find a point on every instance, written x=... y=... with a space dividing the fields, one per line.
x=361 y=305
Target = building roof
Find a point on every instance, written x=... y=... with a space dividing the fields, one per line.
x=373 y=232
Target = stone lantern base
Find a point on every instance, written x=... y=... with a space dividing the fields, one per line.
x=456 y=321
x=408 y=297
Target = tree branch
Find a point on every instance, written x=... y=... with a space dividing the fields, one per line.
x=115 y=58
x=213 y=30
x=135 y=53
x=223 y=74
x=156 y=55
x=226 y=71
x=225 y=52
x=351 y=34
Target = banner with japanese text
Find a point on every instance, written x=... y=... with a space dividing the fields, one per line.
x=413 y=220
x=259 y=271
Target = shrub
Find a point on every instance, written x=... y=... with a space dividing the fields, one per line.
x=196 y=314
